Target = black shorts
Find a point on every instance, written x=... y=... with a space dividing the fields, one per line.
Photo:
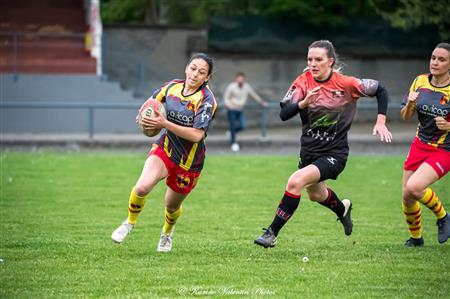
x=330 y=165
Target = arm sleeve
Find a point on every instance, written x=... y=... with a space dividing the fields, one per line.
x=382 y=99
x=288 y=111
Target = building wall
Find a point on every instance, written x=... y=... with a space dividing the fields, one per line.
x=143 y=58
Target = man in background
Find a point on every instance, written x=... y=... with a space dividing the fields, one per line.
x=235 y=97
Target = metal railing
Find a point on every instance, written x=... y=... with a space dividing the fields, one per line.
x=91 y=107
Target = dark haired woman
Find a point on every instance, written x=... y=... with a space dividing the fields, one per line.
x=178 y=155
x=326 y=101
x=429 y=156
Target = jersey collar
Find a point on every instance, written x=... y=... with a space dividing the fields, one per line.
x=186 y=96
x=327 y=79
x=429 y=80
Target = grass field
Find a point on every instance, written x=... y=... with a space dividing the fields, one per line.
x=58 y=211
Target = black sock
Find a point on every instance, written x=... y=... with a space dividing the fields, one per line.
x=333 y=203
x=286 y=208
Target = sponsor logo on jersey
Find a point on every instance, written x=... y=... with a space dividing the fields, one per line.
x=289 y=95
x=321 y=135
x=323 y=126
x=181 y=118
x=337 y=93
x=205 y=115
x=190 y=106
x=433 y=110
x=323 y=121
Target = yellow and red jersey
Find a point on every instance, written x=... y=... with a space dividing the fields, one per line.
x=196 y=111
x=432 y=102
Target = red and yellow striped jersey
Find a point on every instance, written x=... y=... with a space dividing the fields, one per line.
x=196 y=111
x=432 y=102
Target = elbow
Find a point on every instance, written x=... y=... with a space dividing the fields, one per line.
x=287 y=112
x=198 y=139
x=283 y=117
x=405 y=116
x=198 y=136
x=402 y=116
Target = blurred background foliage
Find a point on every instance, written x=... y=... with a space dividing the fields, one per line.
x=403 y=14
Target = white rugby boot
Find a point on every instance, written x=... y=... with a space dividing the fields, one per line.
x=165 y=242
x=122 y=232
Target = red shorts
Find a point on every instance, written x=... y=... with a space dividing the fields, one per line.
x=421 y=152
x=179 y=179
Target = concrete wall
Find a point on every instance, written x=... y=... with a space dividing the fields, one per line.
x=60 y=87
x=145 y=57
x=272 y=78
x=142 y=58
x=162 y=54
x=34 y=88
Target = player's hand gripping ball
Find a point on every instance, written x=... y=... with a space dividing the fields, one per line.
x=148 y=110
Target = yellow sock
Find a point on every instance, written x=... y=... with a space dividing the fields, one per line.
x=171 y=219
x=135 y=205
x=412 y=216
x=431 y=200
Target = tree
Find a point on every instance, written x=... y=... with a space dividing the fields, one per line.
x=406 y=14
x=123 y=11
x=151 y=12
x=317 y=12
x=410 y=14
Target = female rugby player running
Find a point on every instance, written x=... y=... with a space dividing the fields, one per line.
x=429 y=156
x=326 y=101
x=179 y=153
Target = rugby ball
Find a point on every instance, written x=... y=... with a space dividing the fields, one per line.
x=148 y=109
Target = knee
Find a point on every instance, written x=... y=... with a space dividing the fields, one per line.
x=412 y=191
x=408 y=201
x=172 y=208
x=295 y=185
x=141 y=190
x=317 y=196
